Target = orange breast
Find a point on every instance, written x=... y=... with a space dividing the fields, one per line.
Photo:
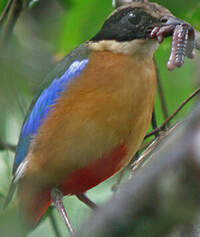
x=107 y=106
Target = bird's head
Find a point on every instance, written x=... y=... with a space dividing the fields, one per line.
x=127 y=30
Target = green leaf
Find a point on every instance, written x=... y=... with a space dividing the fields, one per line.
x=81 y=22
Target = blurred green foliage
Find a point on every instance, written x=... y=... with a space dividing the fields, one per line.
x=2 y=4
x=43 y=35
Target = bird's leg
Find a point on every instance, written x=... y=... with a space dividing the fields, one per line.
x=56 y=196
x=83 y=198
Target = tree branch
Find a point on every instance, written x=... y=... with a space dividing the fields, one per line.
x=162 y=196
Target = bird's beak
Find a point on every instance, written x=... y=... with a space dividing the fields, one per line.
x=172 y=20
x=167 y=27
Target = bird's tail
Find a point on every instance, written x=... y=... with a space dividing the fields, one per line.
x=33 y=203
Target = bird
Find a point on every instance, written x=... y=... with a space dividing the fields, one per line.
x=91 y=114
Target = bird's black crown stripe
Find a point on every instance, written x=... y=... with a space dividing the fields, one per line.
x=125 y=25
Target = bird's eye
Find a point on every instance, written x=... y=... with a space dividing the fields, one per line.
x=163 y=19
x=134 y=18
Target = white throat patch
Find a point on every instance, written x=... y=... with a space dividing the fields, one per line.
x=136 y=46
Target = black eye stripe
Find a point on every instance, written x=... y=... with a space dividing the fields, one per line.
x=134 y=18
x=125 y=25
x=124 y=13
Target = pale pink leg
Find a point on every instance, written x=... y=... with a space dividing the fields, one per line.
x=56 y=196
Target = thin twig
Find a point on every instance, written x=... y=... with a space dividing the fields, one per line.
x=162 y=127
x=140 y=161
x=119 y=179
x=145 y=145
x=154 y=122
x=150 y=147
x=6 y=146
x=13 y=15
x=5 y=11
x=53 y=222
x=161 y=95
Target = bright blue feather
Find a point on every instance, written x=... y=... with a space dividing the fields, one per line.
x=43 y=105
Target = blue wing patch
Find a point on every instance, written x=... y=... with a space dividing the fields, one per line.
x=43 y=105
